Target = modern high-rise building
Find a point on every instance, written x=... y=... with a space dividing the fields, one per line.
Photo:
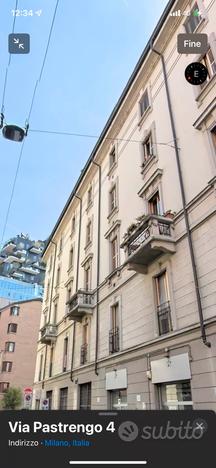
x=19 y=323
x=20 y=259
x=129 y=313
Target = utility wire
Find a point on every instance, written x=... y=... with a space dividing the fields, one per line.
x=86 y=135
x=8 y=65
x=29 y=115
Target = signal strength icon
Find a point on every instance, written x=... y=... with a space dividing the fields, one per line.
x=175 y=13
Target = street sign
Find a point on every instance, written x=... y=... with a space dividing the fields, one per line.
x=45 y=404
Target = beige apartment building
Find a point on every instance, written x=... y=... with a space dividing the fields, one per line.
x=19 y=323
x=129 y=315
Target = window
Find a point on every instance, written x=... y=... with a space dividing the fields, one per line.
x=63 y=398
x=118 y=399
x=58 y=275
x=87 y=277
x=12 y=328
x=50 y=263
x=60 y=244
x=51 y=361
x=144 y=103
x=209 y=62
x=10 y=346
x=112 y=157
x=114 y=253
x=71 y=257
x=65 y=355
x=4 y=386
x=213 y=135
x=6 y=366
x=147 y=149
x=73 y=224
x=37 y=404
x=193 y=19
x=175 y=396
x=49 y=397
x=14 y=310
x=85 y=396
x=163 y=304
x=48 y=291
x=114 y=331
x=40 y=368
x=112 y=199
x=84 y=346
x=89 y=196
x=55 y=313
x=154 y=204
x=88 y=232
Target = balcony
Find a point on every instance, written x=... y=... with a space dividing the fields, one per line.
x=48 y=334
x=114 y=340
x=84 y=354
x=80 y=304
x=29 y=269
x=152 y=238
x=13 y=258
x=164 y=318
x=16 y=274
x=36 y=250
x=9 y=247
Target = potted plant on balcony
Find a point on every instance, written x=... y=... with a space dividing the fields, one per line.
x=169 y=214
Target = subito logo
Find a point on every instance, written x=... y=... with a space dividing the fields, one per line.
x=128 y=431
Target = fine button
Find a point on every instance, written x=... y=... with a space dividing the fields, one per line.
x=192 y=43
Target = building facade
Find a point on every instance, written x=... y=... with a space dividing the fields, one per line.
x=129 y=313
x=20 y=259
x=19 y=323
x=16 y=290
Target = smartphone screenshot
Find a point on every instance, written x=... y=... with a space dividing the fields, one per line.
x=107 y=233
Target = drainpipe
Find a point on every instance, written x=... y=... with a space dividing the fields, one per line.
x=189 y=235
x=77 y=283
x=98 y=267
x=50 y=306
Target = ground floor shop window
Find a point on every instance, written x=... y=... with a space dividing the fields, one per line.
x=85 y=396
x=175 y=395
x=118 y=399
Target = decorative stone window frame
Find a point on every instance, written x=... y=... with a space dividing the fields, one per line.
x=89 y=202
x=150 y=187
x=199 y=92
x=160 y=269
x=112 y=167
x=142 y=117
x=116 y=300
x=73 y=224
x=87 y=262
x=88 y=243
x=111 y=213
x=71 y=267
x=110 y=235
x=154 y=158
x=204 y=16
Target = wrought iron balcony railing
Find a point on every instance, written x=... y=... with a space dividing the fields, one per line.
x=152 y=238
x=114 y=340
x=81 y=303
x=164 y=318
x=48 y=334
